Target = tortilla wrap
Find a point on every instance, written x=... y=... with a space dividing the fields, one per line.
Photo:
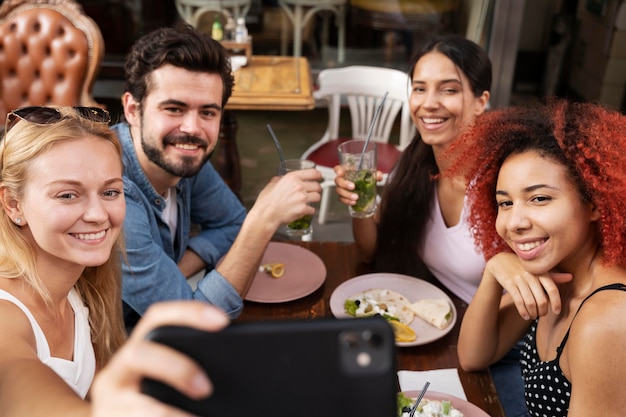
x=383 y=301
x=434 y=311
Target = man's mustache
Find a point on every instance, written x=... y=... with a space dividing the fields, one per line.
x=184 y=139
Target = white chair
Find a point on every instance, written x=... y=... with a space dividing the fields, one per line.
x=363 y=88
x=191 y=10
x=294 y=10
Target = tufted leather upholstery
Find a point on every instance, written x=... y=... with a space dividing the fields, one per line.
x=50 y=53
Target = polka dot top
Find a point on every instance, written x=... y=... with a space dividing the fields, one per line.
x=547 y=389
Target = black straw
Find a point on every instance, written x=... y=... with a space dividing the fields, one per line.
x=280 y=149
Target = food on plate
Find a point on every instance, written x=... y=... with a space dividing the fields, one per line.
x=387 y=303
x=403 y=403
x=427 y=407
x=276 y=270
x=437 y=312
x=402 y=332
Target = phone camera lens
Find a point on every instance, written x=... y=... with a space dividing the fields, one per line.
x=373 y=339
x=351 y=340
x=364 y=359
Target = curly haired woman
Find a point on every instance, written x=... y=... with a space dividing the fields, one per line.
x=546 y=186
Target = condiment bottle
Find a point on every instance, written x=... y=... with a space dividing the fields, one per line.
x=216 y=30
x=241 y=31
x=229 y=29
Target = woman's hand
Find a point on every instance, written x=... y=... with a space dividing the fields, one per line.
x=116 y=390
x=532 y=295
x=344 y=187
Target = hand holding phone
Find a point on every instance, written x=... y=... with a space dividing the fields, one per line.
x=314 y=368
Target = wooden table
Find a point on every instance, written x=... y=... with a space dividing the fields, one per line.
x=342 y=263
x=265 y=83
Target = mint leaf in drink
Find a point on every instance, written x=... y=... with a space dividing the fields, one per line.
x=365 y=187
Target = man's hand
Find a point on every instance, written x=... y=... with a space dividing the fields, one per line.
x=287 y=198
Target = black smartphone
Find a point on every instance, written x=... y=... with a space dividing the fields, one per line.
x=304 y=368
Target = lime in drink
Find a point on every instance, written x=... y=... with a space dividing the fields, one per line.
x=365 y=186
x=359 y=166
x=302 y=226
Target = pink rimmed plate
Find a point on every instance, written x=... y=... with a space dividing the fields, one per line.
x=466 y=407
x=305 y=272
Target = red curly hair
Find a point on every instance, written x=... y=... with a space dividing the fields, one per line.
x=589 y=140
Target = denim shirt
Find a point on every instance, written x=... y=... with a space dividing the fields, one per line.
x=150 y=272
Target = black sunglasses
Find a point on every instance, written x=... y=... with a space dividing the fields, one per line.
x=42 y=115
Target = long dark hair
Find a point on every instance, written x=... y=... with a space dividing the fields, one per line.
x=408 y=197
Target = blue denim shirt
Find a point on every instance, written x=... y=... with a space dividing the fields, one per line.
x=150 y=273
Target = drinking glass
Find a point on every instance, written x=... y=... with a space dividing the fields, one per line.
x=360 y=167
x=302 y=226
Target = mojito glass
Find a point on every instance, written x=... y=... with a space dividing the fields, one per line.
x=359 y=165
x=301 y=226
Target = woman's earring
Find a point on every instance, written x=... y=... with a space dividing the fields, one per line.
x=18 y=221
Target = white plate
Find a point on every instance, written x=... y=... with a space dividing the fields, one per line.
x=466 y=407
x=305 y=272
x=412 y=288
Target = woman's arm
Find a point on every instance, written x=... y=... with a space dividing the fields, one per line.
x=30 y=388
x=479 y=334
x=491 y=325
x=365 y=232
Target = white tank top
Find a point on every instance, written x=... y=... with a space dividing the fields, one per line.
x=79 y=372
x=450 y=254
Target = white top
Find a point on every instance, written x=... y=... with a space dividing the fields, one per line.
x=450 y=254
x=170 y=212
x=79 y=372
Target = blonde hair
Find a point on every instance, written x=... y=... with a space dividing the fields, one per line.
x=98 y=286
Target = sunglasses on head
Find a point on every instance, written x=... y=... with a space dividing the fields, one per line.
x=42 y=115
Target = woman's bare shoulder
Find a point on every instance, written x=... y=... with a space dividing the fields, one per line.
x=592 y=355
x=16 y=329
x=599 y=325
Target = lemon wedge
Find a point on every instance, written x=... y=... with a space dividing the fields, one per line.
x=276 y=270
x=402 y=332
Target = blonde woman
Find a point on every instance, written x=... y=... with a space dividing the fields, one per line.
x=61 y=191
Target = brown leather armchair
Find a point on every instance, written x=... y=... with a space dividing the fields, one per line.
x=50 y=54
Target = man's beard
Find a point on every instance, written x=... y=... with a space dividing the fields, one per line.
x=184 y=167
